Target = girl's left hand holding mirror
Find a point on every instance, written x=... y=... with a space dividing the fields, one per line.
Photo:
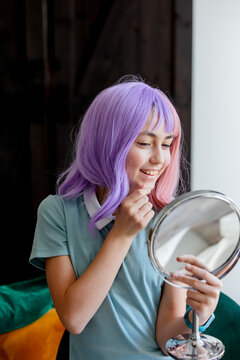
x=205 y=287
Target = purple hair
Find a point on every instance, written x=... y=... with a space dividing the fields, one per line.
x=108 y=129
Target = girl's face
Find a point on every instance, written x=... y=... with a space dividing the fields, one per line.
x=148 y=156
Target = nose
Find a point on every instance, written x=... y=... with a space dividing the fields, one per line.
x=157 y=156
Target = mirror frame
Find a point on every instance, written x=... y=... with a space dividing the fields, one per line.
x=221 y=270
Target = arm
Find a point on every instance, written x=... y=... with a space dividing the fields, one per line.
x=203 y=299
x=170 y=322
x=77 y=300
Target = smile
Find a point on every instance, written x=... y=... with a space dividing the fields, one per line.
x=150 y=172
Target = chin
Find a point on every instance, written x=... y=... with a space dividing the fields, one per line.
x=150 y=187
x=142 y=186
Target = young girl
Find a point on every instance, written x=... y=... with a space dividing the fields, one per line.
x=91 y=236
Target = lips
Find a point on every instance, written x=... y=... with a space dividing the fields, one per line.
x=150 y=172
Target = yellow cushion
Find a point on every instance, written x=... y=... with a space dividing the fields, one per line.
x=37 y=341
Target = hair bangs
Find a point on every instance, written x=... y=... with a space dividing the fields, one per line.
x=161 y=111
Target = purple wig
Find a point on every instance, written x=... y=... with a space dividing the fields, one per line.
x=108 y=130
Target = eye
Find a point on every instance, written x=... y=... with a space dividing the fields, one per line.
x=144 y=144
x=168 y=146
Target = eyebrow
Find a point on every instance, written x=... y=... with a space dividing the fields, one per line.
x=149 y=133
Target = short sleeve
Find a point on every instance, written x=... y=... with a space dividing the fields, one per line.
x=50 y=238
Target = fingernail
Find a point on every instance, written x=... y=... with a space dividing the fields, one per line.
x=189 y=267
x=176 y=275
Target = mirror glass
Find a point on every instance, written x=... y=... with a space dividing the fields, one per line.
x=203 y=223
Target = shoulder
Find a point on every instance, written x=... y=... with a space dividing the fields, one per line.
x=59 y=211
x=58 y=204
x=51 y=201
x=50 y=207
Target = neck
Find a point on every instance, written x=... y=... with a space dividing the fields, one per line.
x=101 y=193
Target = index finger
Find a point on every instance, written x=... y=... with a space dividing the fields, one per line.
x=201 y=279
x=203 y=274
x=192 y=260
x=137 y=194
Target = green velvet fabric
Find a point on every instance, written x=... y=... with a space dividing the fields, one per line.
x=226 y=326
x=23 y=302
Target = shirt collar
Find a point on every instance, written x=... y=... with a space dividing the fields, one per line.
x=92 y=206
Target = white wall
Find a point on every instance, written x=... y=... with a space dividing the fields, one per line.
x=216 y=106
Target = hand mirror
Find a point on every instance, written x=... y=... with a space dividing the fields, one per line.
x=205 y=224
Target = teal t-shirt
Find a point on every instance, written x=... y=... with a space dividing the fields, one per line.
x=123 y=328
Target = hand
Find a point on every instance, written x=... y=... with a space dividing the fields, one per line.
x=134 y=214
x=203 y=298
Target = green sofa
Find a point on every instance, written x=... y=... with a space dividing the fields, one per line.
x=226 y=326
